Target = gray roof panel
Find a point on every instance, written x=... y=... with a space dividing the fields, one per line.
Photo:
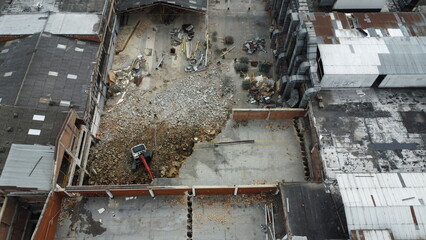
x=29 y=166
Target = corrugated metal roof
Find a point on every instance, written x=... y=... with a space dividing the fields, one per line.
x=392 y=201
x=328 y=26
x=56 y=23
x=29 y=166
x=375 y=56
x=73 y=24
x=376 y=234
x=22 y=24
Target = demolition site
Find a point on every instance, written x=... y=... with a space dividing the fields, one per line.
x=212 y=119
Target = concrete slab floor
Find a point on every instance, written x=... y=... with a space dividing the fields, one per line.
x=152 y=34
x=274 y=156
x=164 y=217
x=228 y=217
x=242 y=25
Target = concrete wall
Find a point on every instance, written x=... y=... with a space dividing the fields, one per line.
x=350 y=81
x=359 y=4
x=267 y=114
x=401 y=81
x=146 y=190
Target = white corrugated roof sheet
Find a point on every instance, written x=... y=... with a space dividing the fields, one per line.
x=22 y=24
x=392 y=55
x=377 y=234
x=28 y=166
x=394 y=201
x=73 y=24
x=55 y=23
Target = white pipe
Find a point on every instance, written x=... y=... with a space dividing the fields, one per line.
x=151 y=192
x=109 y=194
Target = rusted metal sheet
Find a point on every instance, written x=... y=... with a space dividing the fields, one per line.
x=325 y=24
x=46 y=227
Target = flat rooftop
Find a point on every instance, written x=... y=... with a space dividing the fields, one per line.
x=165 y=217
x=372 y=130
x=274 y=156
x=58 y=76
x=313 y=212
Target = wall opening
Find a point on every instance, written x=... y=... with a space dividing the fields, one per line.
x=64 y=170
x=378 y=81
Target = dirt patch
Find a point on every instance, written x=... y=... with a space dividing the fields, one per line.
x=170 y=145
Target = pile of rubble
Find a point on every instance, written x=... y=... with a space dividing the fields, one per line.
x=119 y=79
x=197 y=59
x=178 y=35
x=168 y=120
x=256 y=44
x=261 y=89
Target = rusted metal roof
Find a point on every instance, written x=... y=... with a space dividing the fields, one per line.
x=328 y=25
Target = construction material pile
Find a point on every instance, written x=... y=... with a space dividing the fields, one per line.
x=119 y=79
x=178 y=35
x=256 y=44
x=261 y=89
x=197 y=58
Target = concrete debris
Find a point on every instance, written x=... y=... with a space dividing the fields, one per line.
x=261 y=89
x=101 y=210
x=197 y=60
x=256 y=44
x=168 y=120
x=177 y=35
x=120 y=79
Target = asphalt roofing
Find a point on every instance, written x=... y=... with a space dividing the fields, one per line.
x=372 y=130
x=58 y=76
x=199 y=5
x=21 y=125
x=312 y=212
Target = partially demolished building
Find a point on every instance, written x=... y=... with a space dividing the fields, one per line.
x=53 y=61
x=356 y=80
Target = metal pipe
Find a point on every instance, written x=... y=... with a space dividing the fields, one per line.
x=309 y=93
x=292 y=81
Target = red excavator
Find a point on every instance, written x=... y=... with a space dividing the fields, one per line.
x=142 y=155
